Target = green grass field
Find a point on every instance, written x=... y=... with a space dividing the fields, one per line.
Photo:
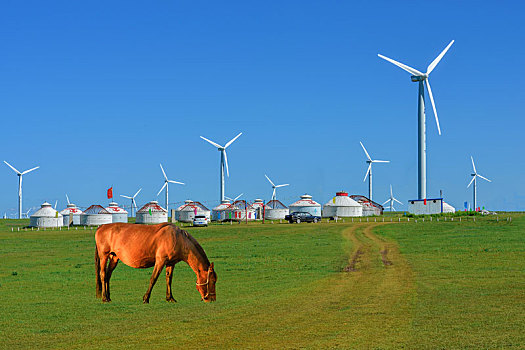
x=347 y=285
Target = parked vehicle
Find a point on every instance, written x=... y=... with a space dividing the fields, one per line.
x=299 y=217
x=200 y=220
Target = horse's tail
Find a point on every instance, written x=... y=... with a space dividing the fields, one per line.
x=97 y=271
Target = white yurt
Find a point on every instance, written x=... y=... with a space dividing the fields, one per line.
x=118 y=214
x=447 y=208
x=370 y=208
x=218 y=213
x=276 y=210
x=188 y=211
x=71 y=208
x=306 y=205
x=239 y=211
x=95 y=215
x=342 y=206
x=152 y=213
x=46 y=216
x=260 y=208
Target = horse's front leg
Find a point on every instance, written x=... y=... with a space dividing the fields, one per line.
x=156 y=272
x=169 y=277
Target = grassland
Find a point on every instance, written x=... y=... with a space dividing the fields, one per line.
x=347 y=285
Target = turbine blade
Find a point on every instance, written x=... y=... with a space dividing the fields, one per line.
x=473 y=166
x=163 y=172
x=56 y=202
x=397 y=201
x=67 y=199
x=380 y=161
x=403 y=66
x=165 y=184
x=282 y=185
x=176 y=182
x=231 y=141
x=213 y=143
x=436 y=61
x=137 y=193
x=269 y=180
x=273 y=194
x=364 y=149
x=484 y=178
x=433 y=105
x=12 y=167
x=239 y=196
x=128 y=197
x=30 y=170
x=226 y=163
x=388 y=200
x=471 y=181
x=391 y=195
x=366 y=175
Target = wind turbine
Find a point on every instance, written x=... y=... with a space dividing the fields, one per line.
x=391 y=200
x=474 y=176
x=133 y=203
x=422 y=78
x=20 y=174
x=224 y=161
x=27 y=213
x=370 y=161
x=275 y=187
x=233 y=199
x=166 y=181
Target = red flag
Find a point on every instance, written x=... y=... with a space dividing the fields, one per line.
x=425 y=201
x=110 y=192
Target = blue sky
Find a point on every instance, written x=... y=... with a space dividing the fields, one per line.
x=98 y=94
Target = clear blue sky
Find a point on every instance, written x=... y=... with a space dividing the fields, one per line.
x=99 y=93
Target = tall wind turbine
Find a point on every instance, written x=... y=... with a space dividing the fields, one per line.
x=20 y=174
x=133 y=203
x=275 y=187
x=166 y=181
x=422 y=79
x=224 y=162
x=391 y=200
x=474 y=176
x=370 y=161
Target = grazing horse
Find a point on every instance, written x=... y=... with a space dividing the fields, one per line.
x=143 y=246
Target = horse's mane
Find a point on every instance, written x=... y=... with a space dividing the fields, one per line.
x=196 y=245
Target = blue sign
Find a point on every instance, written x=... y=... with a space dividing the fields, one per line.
x=466 y=205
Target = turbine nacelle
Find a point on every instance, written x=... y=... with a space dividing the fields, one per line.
x=417 y=78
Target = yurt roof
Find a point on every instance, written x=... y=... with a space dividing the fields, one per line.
x=364 y=201
x=259 y=203
x=190 y=206
x=305 y=201
x=224 y=205
x=96 y=209
x=448 y=206
x=71 y=208
x=240 y=204
x=113 y=208
x=46 y=210
x=341 y=199
x=275 y=204
x=154 y=206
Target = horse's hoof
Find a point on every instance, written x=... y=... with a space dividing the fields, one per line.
x=171 y=300
x=145 y=300
x=106 y=300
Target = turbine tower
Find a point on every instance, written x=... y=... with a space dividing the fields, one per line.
x=133 y=203
x=275 y=187
x=474 y=189
x=391 y=200
x=166 y=182
x=224 y=162
x=370 y=161
x=20 y=174
x=422 y=79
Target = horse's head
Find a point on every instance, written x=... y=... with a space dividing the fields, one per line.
x=207 y=287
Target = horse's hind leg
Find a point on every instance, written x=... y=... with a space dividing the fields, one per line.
x=156 y=272
x=113 y=261
x=103 y=263
x=169 y=277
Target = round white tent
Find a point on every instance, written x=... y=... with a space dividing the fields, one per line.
x=276 y=210
x=218 y=213
x=46 y=216
x=117 y=213
x=95 y=215
x=152 y=213
x=306 y=205
x=447 y=208
x=342 y=206
x=71 y=208
x=188 y=211
x=239 y=211
x=260 y=208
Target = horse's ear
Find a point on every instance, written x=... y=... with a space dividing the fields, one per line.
x=211 y=267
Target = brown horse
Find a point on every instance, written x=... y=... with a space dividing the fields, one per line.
x=143 y=246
